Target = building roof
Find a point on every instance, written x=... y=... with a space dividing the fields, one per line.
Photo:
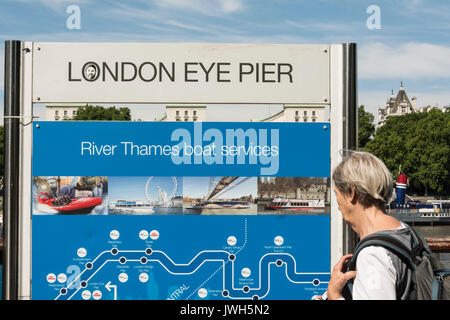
x=65 y=105
x=280 y=113
x=185 y=105
x=402 y=98
x=303 y=106
x=395 y=102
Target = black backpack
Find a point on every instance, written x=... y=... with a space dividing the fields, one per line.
x=429 y=281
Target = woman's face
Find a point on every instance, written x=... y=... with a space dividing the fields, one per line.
x=344 y=203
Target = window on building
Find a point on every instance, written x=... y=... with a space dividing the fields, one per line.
x=177 y=112
x=56 y=112
x=313 y=119
x=74 y=113
x=305 y=119
x=185 y=113
x=195 y=113
x=313 y=113
x=296 y=113
x=305 y=113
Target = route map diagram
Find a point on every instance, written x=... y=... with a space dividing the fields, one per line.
x=180 y=257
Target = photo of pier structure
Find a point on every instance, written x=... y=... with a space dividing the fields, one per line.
x=219 y=195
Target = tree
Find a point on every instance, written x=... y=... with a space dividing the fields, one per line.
x=90 y=112
x=420 y=143
x=2 y=150
x=366 y=128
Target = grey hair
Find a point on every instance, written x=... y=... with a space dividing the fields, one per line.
x=367 y=176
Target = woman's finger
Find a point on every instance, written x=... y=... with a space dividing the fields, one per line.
x=349 y=275
x=340 y=263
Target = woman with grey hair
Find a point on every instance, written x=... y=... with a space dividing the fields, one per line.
x=363 y=186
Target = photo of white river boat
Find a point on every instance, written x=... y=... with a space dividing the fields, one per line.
x=293 y=196
x=146 y=195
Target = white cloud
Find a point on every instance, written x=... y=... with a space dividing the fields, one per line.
x=405 y=61
x=53 y=4
x=188 y=27
x=314 y=26
x=207 y=7
x=230 y=6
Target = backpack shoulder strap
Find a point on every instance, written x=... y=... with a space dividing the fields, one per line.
x=418 y=243
x=388 y=242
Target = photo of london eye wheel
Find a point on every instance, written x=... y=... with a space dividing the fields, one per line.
x=145 y=195
x=71 y=195
x=219 y=195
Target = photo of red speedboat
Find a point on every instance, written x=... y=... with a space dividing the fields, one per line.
x=74 y=205
x=70 y=195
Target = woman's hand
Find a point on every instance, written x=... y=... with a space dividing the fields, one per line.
x=339 y=279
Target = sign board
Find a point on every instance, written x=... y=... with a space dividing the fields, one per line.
x=175 y=210
x=180 y=73
x=179 y=210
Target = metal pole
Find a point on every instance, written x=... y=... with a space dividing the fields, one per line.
x=351 y=121
x=11 y=166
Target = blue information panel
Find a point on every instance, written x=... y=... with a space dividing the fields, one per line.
x=180 y=210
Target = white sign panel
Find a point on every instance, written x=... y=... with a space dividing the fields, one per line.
x=180 y=73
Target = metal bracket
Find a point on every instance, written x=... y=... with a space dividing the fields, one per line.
x=21 y=117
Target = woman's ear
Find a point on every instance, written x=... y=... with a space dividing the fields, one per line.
x=353 y=197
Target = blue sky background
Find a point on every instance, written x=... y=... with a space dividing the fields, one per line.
x=412 y=45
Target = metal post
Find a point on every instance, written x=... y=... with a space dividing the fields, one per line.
x=350 y=127
x=11 y=166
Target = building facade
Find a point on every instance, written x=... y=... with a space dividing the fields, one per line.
x=298 y=113
x=184 y=112
x=286 y=187
x=396 y=106
x=400 y=105
x=57 y=112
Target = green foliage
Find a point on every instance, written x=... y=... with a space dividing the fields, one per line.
x=420 y=143
x=366 y=127
x=2 y=150
x=90 y=112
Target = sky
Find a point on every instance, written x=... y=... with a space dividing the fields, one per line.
x=133 y=188
x=408 y=41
